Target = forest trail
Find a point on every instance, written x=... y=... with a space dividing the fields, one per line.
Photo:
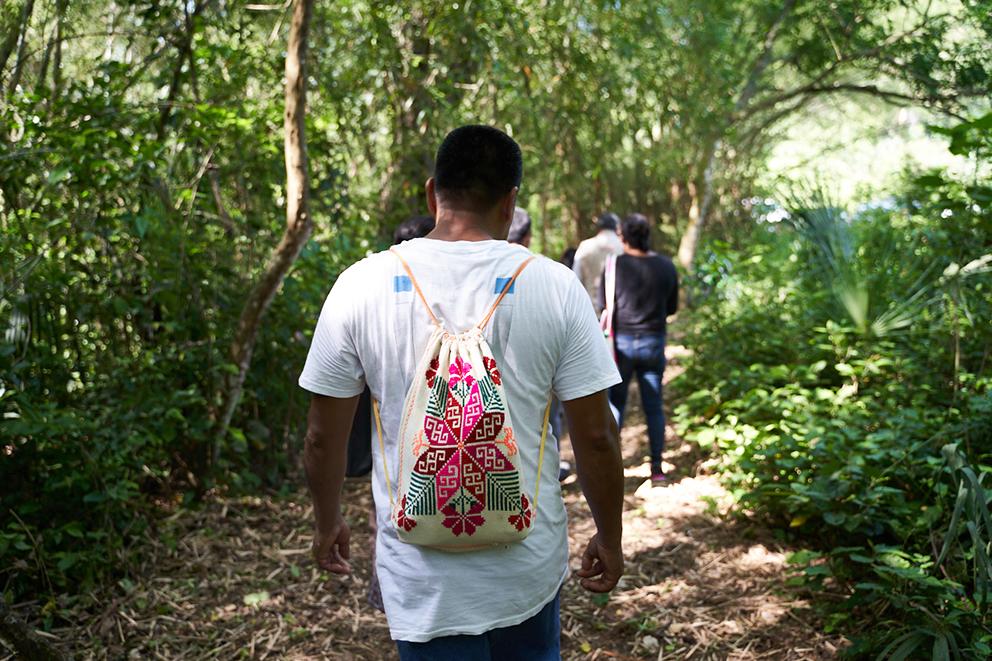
x=235 y=580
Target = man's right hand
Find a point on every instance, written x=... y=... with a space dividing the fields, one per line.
x=602 y=566
x=598 y=465
x=330 y=547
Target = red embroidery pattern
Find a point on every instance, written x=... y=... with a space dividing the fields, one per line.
x=402 y=520
x=494 y=374
x=431 y=373
x=521 y=520
x=461 y=469
x=463 y=522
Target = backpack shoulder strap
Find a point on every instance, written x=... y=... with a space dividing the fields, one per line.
x=506 y=287
x=485 y=320
x=416 y=286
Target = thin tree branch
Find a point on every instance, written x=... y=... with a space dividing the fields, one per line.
x=15 y=77
x=751 y=87
x=299 y=223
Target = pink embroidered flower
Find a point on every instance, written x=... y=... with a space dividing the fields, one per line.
x=402 y=520
x=494 y=374
x=460 y=523
x=523 y=519
x=459 y=370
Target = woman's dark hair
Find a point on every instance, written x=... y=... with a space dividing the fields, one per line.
x=477 y=165
x=414 y=227
x=568 y=257
x=636 y=231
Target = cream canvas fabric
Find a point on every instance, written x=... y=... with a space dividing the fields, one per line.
x=460 y=485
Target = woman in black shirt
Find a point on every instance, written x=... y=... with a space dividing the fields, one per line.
x=647 y=292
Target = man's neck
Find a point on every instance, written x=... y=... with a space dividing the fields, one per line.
x=459 y=225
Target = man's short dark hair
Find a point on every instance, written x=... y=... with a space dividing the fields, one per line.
x=520 y=227
x=608 y=221
x=477 y=165
x=636 y=231
x=414 y=227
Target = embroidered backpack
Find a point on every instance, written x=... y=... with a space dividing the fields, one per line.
x=459 y=481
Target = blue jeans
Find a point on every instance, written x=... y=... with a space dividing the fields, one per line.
x=536 y=639
x=642 y=354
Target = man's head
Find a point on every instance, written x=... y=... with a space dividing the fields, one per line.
x=477 y=171
x=414 y=227
x=636 y=232
x=608 y=221
x=520 y=228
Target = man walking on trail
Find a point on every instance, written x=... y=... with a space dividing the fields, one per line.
x=591 y=255
x=488 y=601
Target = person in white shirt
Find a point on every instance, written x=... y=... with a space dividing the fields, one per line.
x=496 y=602
x=590 y=256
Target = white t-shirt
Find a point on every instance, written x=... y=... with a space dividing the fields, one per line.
x=544 y=336
x=590 y=259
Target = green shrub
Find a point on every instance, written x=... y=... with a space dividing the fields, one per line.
x=833 y=360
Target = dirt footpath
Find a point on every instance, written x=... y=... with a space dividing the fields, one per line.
x=235 y=580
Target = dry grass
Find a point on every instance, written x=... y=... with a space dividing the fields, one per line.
x=235 y=580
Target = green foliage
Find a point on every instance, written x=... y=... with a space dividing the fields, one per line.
x=142 y=192
x=841 y=380
x=125 y=255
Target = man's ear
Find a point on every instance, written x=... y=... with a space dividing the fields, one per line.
x=431 y=197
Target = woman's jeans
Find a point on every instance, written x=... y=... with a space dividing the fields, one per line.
x=642 y=354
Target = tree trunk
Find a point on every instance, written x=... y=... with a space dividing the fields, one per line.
x=577 y=218
x=699 y=211
x=183 y=52
x=568 y=228
x=412 y=155
x=542 y=228
x=17 y=29
x=690 y=240
x=15 y=77
x=39 y=83
x=57 y=64
x=299 y=224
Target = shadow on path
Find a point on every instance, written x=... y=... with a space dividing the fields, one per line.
x=698 y=584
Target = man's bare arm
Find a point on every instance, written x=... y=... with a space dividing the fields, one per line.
x=324 y=456
x=598 y=464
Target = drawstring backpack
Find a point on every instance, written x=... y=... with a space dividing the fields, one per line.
x=459 y=481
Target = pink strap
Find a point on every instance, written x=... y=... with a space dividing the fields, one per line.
x=416 y=286
x=506 y=288
x=485 y=320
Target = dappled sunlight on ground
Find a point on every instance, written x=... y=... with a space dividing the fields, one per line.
x=699 y=585
x=235 y=579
